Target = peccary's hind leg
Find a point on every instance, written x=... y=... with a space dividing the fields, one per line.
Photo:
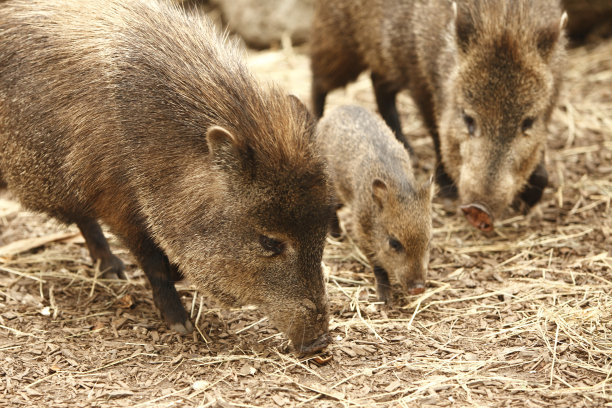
x=447 y=188
x=532 y=192
x=383 y=286
x=110 y=265
x=385 y=99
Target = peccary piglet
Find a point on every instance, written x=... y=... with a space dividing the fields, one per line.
x=372 y=174
x=485 y=75
x=133 y=113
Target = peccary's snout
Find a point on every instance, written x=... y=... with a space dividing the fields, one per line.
x=316 y=345
x=479 y=216
x=417 y=288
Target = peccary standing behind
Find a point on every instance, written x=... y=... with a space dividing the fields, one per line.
x=372 y=174
x=132 y=113
x=485 y=75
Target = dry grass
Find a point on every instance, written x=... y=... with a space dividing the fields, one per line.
x=520 y=318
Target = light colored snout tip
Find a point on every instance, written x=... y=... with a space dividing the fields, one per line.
x=479 y=216
x=417 y=289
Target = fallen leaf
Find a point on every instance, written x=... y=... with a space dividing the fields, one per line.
x=247 y=370
x=125 y=302
x=321 y=360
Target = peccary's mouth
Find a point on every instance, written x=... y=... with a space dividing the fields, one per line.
x=315 y=346
x=479 y=216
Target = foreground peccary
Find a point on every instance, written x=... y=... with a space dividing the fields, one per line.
x=485 y=75
x=372 y=174
x=132 y=113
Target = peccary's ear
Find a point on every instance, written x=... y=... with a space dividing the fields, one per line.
x=548 y=36
x=380 y=192
x=465 y=27
x=296 y=102
x=222 y=146
x=428 y=190
x=301 y=112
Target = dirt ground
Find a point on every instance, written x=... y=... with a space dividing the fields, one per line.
x=522 y=318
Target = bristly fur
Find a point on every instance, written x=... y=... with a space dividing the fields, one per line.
x=372 y=174
x=106 y=109
x=445 y=57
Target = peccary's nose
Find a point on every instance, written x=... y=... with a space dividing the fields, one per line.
x=417 y=288
x=478 y=215
x=316 y=345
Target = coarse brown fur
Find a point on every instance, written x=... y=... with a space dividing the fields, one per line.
x=494 y=65
x=372 y=174
x=137 y=115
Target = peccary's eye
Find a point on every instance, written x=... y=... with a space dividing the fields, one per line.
x=470 y=123
x=272 y=245
x=395 y=244
x=527 y=124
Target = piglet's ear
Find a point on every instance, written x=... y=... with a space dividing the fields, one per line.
x=428 y=190
x=548 y=37
x=380 y=192
x=222 y=145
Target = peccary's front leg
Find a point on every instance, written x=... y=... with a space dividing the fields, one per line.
x=318 y=95
x=110 y=265
x=162 y=274
x=385 y=99
x=334 y=222
x=383 y=286
x=447 y=188
x=533 y=190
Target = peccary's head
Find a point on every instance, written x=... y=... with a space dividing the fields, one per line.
x=254 y=211
x=401 y=231
x=499 y=99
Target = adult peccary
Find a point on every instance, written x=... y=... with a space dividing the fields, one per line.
x=485 y=75
x=372 y=174
x=135 y=114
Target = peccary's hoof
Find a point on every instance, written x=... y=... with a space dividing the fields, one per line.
x=182 y=328
x=479 y=216
x=315 y=346
x=112 y=268
x=384 y=295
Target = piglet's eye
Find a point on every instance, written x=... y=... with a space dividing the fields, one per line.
x=527 y=124
x=395 y=244
x=470 y=123
x=272 y=245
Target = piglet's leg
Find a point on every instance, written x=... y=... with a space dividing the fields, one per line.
x=383 y=286
x=110 y=265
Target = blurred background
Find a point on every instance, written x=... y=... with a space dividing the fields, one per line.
x=264 y=23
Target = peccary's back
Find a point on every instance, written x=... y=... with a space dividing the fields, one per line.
x=91 y=100
x=359 y=147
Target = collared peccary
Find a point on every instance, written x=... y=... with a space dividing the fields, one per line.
x=485 y=75
x=372 y=174
x=133 y=113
